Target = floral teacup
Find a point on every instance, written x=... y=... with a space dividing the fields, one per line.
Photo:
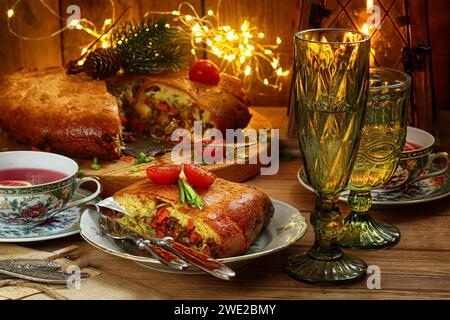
x=420 y=162
x=29 y=205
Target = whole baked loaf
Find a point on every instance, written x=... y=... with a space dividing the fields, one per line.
x=77 y=116
x=53 y=111
x=232 y=217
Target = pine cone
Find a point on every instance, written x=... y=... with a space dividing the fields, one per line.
x=102 y=63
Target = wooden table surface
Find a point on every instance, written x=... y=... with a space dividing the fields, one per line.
x=417 y=268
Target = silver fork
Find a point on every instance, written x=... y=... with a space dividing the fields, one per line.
x=162 y=255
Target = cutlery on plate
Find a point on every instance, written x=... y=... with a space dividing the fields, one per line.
x=193 y=257
x=165 y=257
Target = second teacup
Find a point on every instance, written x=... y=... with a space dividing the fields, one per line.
x=418 y=160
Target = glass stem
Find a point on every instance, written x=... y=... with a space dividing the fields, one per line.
x=326 y=220
x=360 y=201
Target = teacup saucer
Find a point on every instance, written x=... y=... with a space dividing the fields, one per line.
x=62 y=225
x=422 y=191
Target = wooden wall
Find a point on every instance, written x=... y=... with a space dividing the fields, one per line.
x=274 y=18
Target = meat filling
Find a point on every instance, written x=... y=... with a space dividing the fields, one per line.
x=166 y=225
x=158 y=110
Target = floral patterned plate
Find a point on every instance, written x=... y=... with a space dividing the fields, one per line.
x=422 y=191
x=62 y=225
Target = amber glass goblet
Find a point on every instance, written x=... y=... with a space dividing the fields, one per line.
x=331 y=87
x=383 y=137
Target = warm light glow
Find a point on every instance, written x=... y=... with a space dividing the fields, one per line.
x=84 y=51
x=105 y=45
x=10 y=13
x=241 y=49
x=365 y=29
x=369 y=4
x=108 y=22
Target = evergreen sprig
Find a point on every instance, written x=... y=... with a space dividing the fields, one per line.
x=150 y=47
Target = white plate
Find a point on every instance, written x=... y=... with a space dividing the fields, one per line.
x=287 y=226
x=62 y=225
x=426 y=190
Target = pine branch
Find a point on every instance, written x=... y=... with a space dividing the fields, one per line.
x=150 y=47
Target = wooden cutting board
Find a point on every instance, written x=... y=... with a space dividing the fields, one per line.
x=118 y=174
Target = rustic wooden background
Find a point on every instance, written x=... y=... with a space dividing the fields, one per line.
x=274 y=18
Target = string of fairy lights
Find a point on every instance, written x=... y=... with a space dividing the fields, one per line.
x=242 y=51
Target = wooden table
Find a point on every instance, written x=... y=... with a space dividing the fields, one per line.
x=417 y=268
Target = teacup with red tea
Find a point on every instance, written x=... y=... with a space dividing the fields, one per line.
x=34 y=186
x=418 y=161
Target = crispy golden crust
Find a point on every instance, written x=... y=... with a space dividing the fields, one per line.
x=226 y=102
x=236 y=212
x=72 y=115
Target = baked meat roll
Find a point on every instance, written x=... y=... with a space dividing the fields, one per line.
x=232 y=217
x=157 y=105
x=52 y=111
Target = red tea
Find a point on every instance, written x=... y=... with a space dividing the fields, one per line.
x=409 y=146
x=28 y=176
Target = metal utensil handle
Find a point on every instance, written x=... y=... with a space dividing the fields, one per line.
x=198 y=259
x=163 y=256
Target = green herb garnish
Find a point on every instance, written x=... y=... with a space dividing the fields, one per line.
x=134 y=169
x=95 y=165
x=188 y=193
x=142 y=158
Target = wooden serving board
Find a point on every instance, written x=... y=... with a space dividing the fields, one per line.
x=116 y=175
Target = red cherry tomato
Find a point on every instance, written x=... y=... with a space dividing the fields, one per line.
x=14 y=183
x=197 y=176
x=167 y=174
x=205 y=71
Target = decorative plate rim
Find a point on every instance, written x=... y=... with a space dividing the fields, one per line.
x=302 y=229
x=378 y=203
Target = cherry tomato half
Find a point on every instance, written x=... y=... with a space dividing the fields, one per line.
x=205 y=71
x=197 y=176
x=167 y=174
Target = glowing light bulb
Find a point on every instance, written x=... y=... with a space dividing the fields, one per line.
x=210 y=12
x=105 y=45
x=175 y=13
x=278 y=40
x=261 y=35
x=108 y=22
x=248 y=70
x=266 y=82
x=10 y=13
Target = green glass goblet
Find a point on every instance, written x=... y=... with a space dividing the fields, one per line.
x=331 y=87
x=383 y=137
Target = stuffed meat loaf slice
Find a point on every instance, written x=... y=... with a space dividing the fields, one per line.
x=232 y=217
x=52 y=111
x=157 y=105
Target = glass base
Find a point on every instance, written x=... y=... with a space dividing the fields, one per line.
x=314 y=269
x=361 y=231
